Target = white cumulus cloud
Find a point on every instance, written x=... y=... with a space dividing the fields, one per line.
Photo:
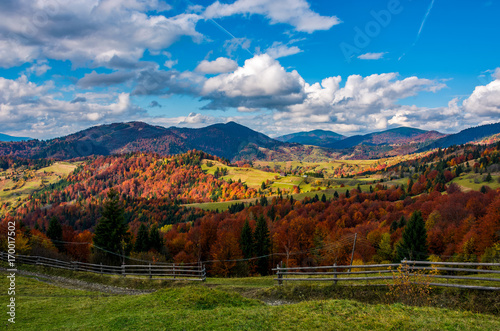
x=261 y=82
x=35 y=110
x=297 y=13
x=219 y=65
x=87 y=31
x=372 y=56
x=485 y=100
x=278 y=50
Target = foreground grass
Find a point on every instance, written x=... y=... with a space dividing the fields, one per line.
x=45 y=307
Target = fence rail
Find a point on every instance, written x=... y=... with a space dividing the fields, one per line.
x=158 y=271
x=457 y=274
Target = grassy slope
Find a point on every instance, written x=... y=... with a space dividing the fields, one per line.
x=252 y=177
x=45 y=307
x=307 y=191
x=37 y=180
x=468 y=181
x=351 y=166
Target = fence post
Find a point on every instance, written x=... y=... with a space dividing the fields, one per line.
x=101 y=269
x=173 y=271
x=335 y=274
x=280 y=282
x=150 y=275
x=37 y=260
x=73 y=265
x=123 y=269
x=204 y=274
x=353 y=248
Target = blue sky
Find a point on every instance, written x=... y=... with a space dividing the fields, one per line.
x=278 y=67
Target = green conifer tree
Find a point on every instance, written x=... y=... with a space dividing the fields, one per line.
x=155 y=240
x=110 y=231
x=55 y=233
x=246 y=240
x=413 y=245
x=142 y=240
x=262 y=245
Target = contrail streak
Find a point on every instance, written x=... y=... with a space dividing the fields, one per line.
x=220 y=27
x=425 y=19
x=421 y=28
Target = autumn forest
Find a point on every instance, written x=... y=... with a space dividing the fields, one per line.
x=158 y=203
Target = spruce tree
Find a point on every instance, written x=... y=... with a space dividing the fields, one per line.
x=394 y=226
x=142 y=240
x=413 y=245
x=54 y=232
x=110 y=231
x=262 y=245
x=402 y=222
x=272 y=213
x=155 y=240
x=246 y=240
x=316 y=198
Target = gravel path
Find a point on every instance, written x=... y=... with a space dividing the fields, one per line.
x=76 y=284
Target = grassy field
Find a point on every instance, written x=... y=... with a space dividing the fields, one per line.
x=307 y=190
x=41 y=306
x=252 y=177
x=472 y=181
x=350 y=166
x=17 y=184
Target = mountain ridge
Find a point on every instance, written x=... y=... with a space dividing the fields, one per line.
x=236 y=142
x=465 y=136
x=8 y=138
x=314 y=137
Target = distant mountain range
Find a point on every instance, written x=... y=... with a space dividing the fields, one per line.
x=237 y=142
x=398 y=136
x=231 y=140
x=391 y=142
x=6 y=137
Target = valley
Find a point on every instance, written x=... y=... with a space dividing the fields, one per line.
x=243 y=216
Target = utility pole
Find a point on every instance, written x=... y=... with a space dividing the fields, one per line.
x=353 y=248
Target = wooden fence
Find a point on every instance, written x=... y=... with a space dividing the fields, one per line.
x=159 y=271
x=481 y=276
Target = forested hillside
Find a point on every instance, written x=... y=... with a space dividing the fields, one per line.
x=461 y=224
x=465 y=136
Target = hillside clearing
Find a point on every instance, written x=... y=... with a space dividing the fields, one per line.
x=17 y=184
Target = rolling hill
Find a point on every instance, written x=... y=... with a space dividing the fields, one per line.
x=316 y=137
x=465 y=136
